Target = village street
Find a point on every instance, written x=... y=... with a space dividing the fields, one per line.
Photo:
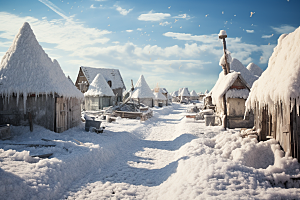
x=175 y=158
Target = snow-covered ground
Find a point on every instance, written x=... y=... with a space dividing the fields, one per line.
x=165 y=157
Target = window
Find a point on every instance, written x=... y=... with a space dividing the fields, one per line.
x=109 y=83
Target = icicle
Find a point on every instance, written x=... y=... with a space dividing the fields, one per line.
x=297 y=105
x=292 y=104
x=24 y=101
x=35 y=96
x=18 y=96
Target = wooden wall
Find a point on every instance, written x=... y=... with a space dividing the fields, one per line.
x=282 y=123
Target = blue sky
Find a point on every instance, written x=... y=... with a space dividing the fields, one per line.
x=172 y=43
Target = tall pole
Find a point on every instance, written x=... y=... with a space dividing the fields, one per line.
x=226 y=70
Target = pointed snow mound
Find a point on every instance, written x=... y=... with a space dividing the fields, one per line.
x=194 y=93
x=184 y=92
x=237 y=66
x=159 y=96
x=254 y=69
x=27 y=69
x=142 y=89
x=280 y=82
x=99 y=87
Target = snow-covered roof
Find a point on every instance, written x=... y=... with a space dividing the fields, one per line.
x=159 y=96
x=206 y=92
x=142 y=89
x=27 y=69
x=174 y=94
x=99 y=87
x=222 y=86
x=112 y=75
x=184 y=92
x=281 y=80
x=193 y=93
x=163 y=90
x=254 y=69
x=237 y=66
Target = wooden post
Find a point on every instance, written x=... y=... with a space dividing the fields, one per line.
x=226 y=70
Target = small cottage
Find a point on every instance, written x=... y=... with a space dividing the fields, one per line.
x=159 y=99
x=112 y=76
x=274 y=97
x=175 y=97
x=34 y=89
x=194 y=95
x=183 y=94
x=142 y=93
x=235 y=90
x=99 y=95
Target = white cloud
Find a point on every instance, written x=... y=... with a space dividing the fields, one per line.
x=283 y=29
x=129 y=31
x=153 y=16
x=183 y=16
x=250 y=31
x=240 y=50
x=100 y=0
x=65 y=34
x=139 y=29
x=93 y=7
x=122 y=11
x=267 y=36
x=164 y=23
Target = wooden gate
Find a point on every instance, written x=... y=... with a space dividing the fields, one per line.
x=61 y=115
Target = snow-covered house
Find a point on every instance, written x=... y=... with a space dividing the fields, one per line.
x=142 y=93
x=194 y=95
x=236 y=90
x=175 y=96
x=113 y=77
x=183 y=93
x=254 y=69
x=275 y=96
x=201 y=96
x=159 y=99
x=34 y=88
x=99 y=94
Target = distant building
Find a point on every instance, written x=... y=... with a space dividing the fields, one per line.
x=142 y=93
x=99 y=95
x=112 y=76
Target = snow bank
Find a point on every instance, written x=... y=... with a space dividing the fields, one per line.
x=142 y=89
x=27 y=69
x=281 y=80
x=99 y=87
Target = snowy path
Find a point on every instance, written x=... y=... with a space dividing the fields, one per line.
x=148 y=162
x=165 y=157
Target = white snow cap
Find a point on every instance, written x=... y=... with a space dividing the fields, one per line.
x=206 y=92
x=184 y=92
x=193 y=93
x=228 y=56
x=237 y=66
x=159 y=96
x=254 y=69
x=142 y=89
x=99 y=87
x=222 y=32
x=281 y=80
x=27 y=69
